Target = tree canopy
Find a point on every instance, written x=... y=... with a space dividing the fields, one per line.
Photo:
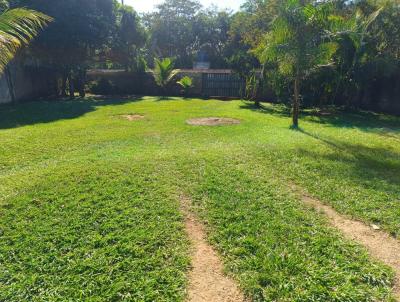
x=335 y=52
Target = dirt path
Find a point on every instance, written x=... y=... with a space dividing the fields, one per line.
x=207 y=282
x=379 y=244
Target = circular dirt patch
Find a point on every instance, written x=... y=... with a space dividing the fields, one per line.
x=132 y=117
x=212 y=121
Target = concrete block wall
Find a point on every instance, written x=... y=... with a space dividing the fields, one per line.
x=25 y=83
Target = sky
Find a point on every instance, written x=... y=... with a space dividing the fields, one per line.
x=143 y=6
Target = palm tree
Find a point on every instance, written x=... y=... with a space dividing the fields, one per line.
x=304 y=37
x=17 y=28
x=164 y=72
x=299 y=42
x=186 y=83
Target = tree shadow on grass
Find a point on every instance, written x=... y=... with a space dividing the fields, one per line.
x=163 y=98
x=382 y=124
x=177 y=98
x=35 y=112
x=368 y=165
x=362 y=120
x=267 y=108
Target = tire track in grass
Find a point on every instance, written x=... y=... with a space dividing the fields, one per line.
x=380 y=245
x=207 y=282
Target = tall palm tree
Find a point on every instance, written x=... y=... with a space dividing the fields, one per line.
x=17 y=28
x=304 y=38
x=299 y=42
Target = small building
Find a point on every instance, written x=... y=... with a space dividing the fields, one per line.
x=202 y=62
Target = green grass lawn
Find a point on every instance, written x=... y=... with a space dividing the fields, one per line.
x=89 y=202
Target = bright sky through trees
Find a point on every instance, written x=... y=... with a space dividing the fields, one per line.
x=148 y=5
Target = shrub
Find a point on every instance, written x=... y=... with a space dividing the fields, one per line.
x=103 y=87
x=186 y=83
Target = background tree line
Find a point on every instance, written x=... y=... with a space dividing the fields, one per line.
x=363 y=65
x=349 y=49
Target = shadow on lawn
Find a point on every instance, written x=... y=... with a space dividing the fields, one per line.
x=382 y=124
x=163 y=98
x=175 y=98
x=35 y=112
x=362 y=120
x=367 y=164
x=267 y=108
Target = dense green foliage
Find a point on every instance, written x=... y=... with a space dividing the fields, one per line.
x=131 y=37
x=89 y=200
x=184 y=30
x=364 y=67
x=80 y=31
x=186 y=83
x=349 y=50
x=299 y=42
x=84 y=34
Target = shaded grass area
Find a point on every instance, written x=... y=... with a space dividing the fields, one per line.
x=31 y=113
x=89 y=208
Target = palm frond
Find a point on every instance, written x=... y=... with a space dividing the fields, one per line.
x=185 y=82
x=163 y=71
x=372 y=17
x=17 y=28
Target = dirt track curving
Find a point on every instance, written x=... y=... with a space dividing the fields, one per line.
x=207 y=282
x=380 y=245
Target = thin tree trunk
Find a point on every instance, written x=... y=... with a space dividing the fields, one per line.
x=296 y=102
x=71 y=86
x=64 y=85
x=82 y=80
x=82 y=93
x=259 y=87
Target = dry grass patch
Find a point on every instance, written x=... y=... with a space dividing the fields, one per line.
x=132 y=117
x=212 y=121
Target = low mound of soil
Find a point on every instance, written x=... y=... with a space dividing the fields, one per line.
x=132 y=117
x=212 y=121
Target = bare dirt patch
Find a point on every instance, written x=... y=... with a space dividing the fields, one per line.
x=380 y=245
x=132 y=117
x=207 y=282
x=212 y=121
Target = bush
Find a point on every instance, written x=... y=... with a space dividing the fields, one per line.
x=103 y=87
x=186 y=83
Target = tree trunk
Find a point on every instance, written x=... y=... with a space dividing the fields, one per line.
x=64 y=85
x=82 y=80
x=82 y=93
x=296 y=102
x=71 y=86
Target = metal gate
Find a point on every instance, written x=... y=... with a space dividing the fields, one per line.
x=222 y=85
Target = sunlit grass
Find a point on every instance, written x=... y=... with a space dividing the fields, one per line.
x=90 y=211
